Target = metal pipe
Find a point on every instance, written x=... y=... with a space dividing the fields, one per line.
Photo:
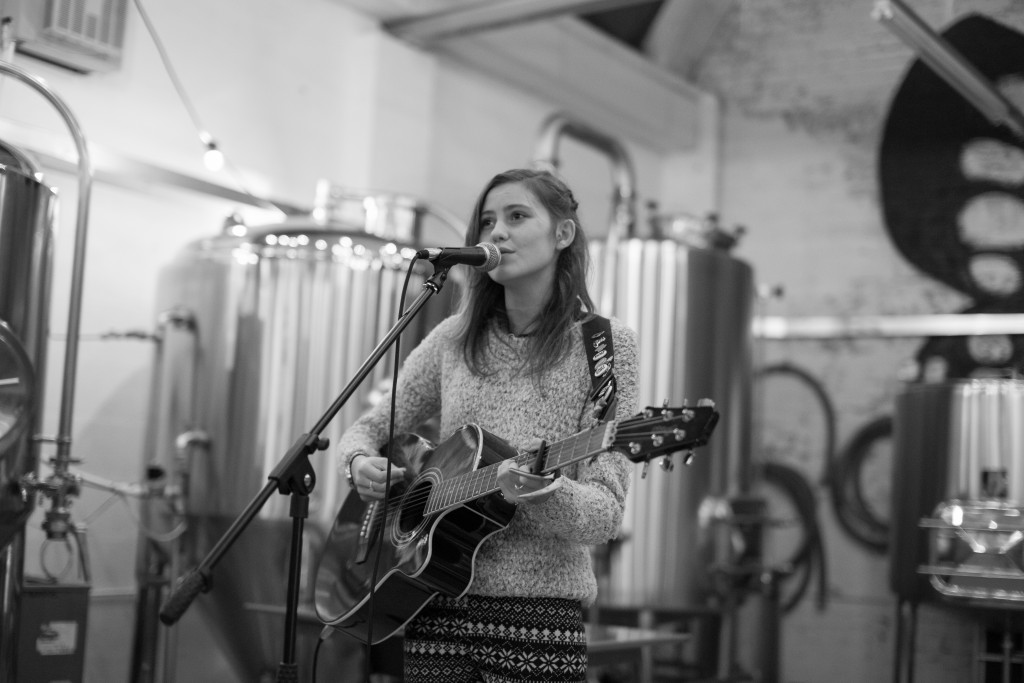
x=63 y=439
x=949 y=64
x=481 y=16
x=546 y=156
x=623 y=203
x=880 y=326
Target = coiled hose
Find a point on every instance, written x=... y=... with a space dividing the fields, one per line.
x=852 y=510
x=841 y=472
x=808 y=560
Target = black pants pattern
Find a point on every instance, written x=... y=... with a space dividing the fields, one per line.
x=496 y=640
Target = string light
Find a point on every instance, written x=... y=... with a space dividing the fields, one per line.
x=213 y=156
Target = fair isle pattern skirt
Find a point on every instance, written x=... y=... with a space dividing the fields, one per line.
x=496 y=640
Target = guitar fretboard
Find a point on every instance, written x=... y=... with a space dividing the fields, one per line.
x=466 y=487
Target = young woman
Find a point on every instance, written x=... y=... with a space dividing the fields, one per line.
x=514 y=362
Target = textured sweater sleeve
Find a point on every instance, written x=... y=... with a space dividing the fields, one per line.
x=588 y=509
x=419 y=389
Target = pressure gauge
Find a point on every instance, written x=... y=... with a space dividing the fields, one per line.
x=16 y=388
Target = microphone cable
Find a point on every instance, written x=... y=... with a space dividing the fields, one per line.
x=378 y=531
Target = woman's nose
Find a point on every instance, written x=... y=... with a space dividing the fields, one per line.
x=498 y=232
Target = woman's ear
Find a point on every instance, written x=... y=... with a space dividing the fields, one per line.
x=565 y=233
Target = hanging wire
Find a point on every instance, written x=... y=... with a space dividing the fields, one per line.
x=204 y=135
x=159 y=536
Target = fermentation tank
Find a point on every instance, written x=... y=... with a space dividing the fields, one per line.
x=261 y=329
x=690 y=302
x=26 y=246
x=957 y=527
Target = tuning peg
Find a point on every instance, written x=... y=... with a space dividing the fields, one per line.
x=688 y=458
x=667 y=465
x=643 y=472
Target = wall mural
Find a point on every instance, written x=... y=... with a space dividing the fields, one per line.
x=952 y=196
x=952 y=193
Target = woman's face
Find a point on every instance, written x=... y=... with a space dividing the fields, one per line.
x=519 y=225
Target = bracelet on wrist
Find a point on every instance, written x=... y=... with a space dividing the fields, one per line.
x=348 y=469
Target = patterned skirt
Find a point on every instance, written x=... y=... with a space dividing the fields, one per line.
x=496 y=640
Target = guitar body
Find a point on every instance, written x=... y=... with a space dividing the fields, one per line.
x=449 y=504
x=421 y=555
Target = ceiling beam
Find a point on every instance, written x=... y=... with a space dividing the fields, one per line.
x=481 y=16
x=683 y=32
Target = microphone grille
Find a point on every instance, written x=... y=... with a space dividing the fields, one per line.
x=493 y=257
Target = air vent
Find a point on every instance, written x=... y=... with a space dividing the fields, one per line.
x=83 y=35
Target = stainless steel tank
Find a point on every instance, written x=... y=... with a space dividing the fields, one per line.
x=264 y=328
x=26 y=245
x=690 y=302
x=958 y=492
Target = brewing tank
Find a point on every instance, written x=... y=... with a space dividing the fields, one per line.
x=690 y=302
x=958 y=492
x=262 y=330
x=27 y=209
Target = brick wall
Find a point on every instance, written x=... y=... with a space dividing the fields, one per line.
x=805 y=88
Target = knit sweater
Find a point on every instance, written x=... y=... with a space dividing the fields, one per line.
x=544 y=551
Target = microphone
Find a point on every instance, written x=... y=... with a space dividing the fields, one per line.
x=484 y=256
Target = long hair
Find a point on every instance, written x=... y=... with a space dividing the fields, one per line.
x=569 y=300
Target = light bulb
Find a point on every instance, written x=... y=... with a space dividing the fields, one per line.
x=213 y=157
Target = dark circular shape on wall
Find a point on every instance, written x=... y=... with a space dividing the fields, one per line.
x=952 y=194
x=939 y=154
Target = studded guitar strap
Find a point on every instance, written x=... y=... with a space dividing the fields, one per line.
x=597 y=339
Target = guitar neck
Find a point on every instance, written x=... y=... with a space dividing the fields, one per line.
x=466 y=487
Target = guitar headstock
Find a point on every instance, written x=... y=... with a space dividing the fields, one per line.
x=662 y=430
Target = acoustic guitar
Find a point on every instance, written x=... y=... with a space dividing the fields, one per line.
x=449 y=505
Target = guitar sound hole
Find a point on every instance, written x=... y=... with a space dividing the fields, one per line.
x=413 y=505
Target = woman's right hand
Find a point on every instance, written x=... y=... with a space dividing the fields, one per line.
x=369 y=473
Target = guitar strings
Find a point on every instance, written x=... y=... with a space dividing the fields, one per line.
x=554 y=454
x=488 y=475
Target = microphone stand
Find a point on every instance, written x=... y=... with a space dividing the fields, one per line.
x=294 y=477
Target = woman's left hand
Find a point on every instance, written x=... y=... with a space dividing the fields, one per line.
x=519 y=485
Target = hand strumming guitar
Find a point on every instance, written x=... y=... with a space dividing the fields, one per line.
x=368 y=474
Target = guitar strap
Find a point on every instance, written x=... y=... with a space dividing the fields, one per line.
x=597 y=340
